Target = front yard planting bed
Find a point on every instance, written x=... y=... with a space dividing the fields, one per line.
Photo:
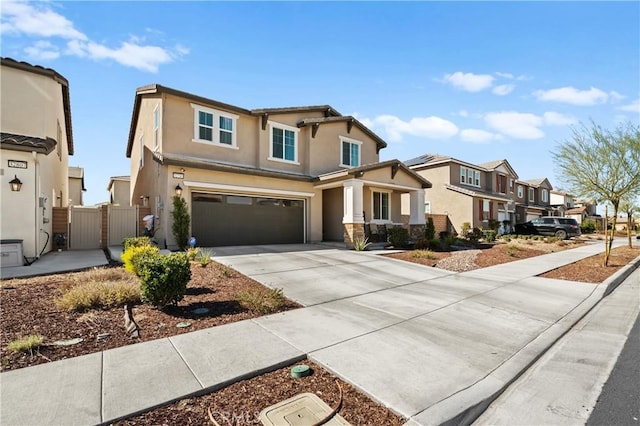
x=29 y=309
x=241 y=402
x=591 y=269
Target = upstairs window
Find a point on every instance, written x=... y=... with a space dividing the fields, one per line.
x=284 y=143
x=532 y=195
x=380 y=205
x=350 y=152
x=545 y=196
x=520 y=191
x=469 y=176
x=214 y=127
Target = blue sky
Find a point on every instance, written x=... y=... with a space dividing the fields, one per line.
x=478 y=81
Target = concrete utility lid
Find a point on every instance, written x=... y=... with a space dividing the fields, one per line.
x=304 y=409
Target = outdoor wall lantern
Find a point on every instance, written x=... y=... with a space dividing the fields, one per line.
x=178 y=191
x=15 y=183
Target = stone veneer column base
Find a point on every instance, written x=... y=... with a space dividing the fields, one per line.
x=416 y=232
x=353 y=231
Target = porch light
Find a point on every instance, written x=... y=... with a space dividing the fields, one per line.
x=178 y=190
x=15 y=183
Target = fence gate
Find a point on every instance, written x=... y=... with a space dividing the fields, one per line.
x=85 y=228
x=123 y=223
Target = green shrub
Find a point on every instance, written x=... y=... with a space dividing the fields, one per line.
x=136 y=242
x=493 y=224
x=421 y=244
x=181 y=221
x=262 y=301
x=26 y=344
x=165 y=279
x=398 y=236
x=423 y=254
x=588 y=226
x=134 y=255
x=466 y=227
x=474 y=235
x=430 y=230
x=99 y=294
x=192 y=253
x=361 y=244
x=489 y=235
x=447 y=242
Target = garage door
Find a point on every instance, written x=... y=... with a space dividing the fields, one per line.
x=225 y=220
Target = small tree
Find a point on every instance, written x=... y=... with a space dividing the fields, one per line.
x=430 y=230
x=629 y=207
x=603 y=165
x=181 y=222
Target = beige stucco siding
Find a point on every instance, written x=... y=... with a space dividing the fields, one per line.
x=32 y=105
x=326 y=147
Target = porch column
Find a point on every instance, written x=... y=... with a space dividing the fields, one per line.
x=417 y=222
x=353 y=219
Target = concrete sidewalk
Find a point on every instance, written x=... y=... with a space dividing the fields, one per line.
x=432 y=345
x=57 y=262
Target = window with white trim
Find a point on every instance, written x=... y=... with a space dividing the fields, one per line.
x=469 y=176
x=427 y=207
x=283 y=144
x=156 y=126
x=532 y=195
x=350 y=156
x=511 y=185
x=486 y=209
x=520 y=191
x=545 y=195
x=381 y=206
x=214 y=127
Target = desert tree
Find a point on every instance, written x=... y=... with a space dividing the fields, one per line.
x=181 y=222
x=601 y=164
x=629 y=206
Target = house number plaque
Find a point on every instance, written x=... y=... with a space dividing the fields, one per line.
x=17 y=164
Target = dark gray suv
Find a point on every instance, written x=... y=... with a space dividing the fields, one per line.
x=561 y=227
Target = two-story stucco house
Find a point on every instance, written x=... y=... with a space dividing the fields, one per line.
x=263 y=176
x=471 y=193
x=477 y=193
x=76 y=186
x=120 y=192
x=36 y=140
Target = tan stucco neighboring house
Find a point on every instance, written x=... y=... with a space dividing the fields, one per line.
x=36 y=140
x=263 y=176
x=536 y=201
x=120 y=192
x=76 y=186
x=466 y=192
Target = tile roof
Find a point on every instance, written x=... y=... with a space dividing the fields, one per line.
x=27 y=143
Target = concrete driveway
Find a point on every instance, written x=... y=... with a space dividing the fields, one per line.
x=425 y=342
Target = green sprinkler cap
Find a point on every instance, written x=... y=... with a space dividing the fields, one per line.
x=299 y=371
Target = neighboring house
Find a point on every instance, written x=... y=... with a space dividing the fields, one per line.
x=120 y=192
x=467 y=193
x=36 y=140
x=589 y=205
x=76 y=186
x=561 y=202
x=263 y=176
x=477 y=193
x=577 y=213
x=536 y=201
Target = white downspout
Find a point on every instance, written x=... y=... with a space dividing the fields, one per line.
x=36 y=191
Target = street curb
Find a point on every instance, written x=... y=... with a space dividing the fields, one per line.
x=465 y=406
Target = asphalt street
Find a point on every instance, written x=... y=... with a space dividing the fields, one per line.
x=619 y=402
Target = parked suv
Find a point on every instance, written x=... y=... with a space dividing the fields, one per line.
x=561 y=227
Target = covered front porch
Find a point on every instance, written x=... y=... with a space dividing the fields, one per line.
x=362 y=201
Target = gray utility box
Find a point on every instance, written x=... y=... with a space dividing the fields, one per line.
x=11 y=253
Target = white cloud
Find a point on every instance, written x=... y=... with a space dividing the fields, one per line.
x=615 y=96
x=425 y=127
x=557 y=119
x=506 y=75
x=39 y=20
x=478 y=136
x=463 y=113
x=516 y=124
x=573 y=96
x=632 y=107
x=468 y=82
x=42 y=51
x=503 y=89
